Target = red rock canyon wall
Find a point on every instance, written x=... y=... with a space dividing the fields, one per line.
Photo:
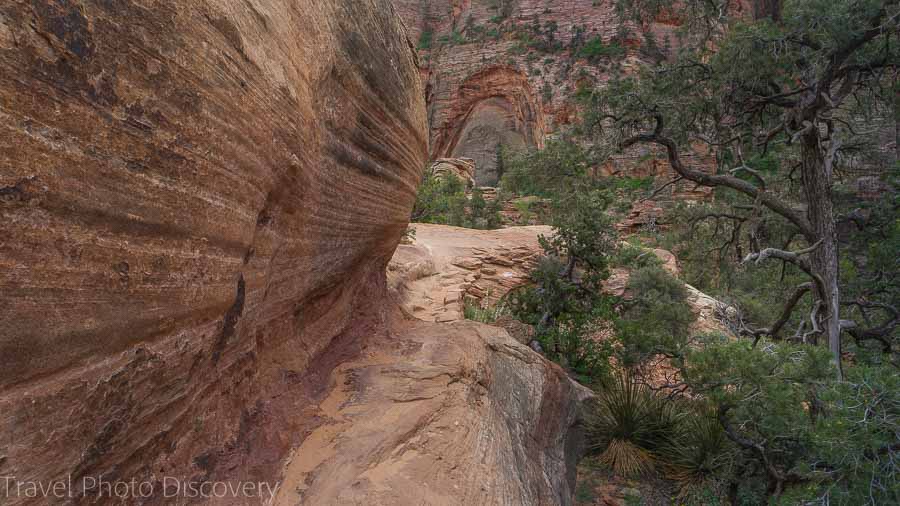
x=494 y=76
x=195 y=197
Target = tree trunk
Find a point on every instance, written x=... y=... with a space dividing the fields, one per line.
x=824 y=259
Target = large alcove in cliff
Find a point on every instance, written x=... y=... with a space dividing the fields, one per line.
x=491 y=124
x=491 y=108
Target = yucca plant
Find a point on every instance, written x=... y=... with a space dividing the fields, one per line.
x=628 y=422
x=697 y=453
x=480 y=311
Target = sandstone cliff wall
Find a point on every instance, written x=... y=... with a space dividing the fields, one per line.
x=194 y=196
x=509 y=72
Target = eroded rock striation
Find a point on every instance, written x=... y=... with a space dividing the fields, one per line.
x=461 y=168
x=198 y=200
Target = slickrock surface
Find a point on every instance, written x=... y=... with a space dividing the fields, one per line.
x=448 y=264
x=196 y=199
x=442 y=414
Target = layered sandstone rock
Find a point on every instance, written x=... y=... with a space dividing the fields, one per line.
x=462 y=168
x=198 y=201
x=508 y=73
x=177 y=248
x=448 y=265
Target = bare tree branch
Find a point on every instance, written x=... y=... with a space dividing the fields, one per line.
x=770 y=201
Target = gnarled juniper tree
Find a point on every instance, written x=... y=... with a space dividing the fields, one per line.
x=801 y=81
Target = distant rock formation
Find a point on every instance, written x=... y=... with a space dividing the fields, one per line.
x=462 y=168
x=508 y=74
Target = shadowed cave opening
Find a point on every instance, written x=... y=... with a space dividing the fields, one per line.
x=494 y=107
x=491 y=124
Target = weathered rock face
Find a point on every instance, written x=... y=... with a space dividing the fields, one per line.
x=462 y=168
x=194 y=197
x=508 y=72
x=446 y=265
x=442 y=414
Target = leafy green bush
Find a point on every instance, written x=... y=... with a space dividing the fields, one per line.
x=657 y=319
x=444 y=201
x=594 y=49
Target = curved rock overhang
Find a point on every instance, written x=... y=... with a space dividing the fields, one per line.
x=492 y=106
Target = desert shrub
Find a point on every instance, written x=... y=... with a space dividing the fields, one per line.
x=546 y=292
x=657 y=319
x=699 y=455
x=426 y=39
x=703 y=239
x=764 y=424
x=594 y=49
x=504 y=9
x=549 y=172
x=634 y=256
x=568 y=279
x=633 y=184
x=457 y=38
x=626 y=423
x=409 y=235
x=477 y=209
x=853 y=446
x=479 y=311
x=572 y=344
x=523 y=206
x=564 y=300
x=439 y=200
x=444 y=201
